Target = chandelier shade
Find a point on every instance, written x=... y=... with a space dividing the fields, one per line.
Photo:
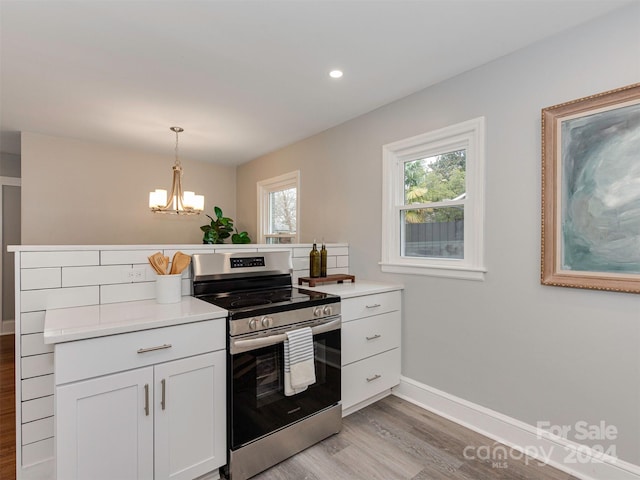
x=178 y=202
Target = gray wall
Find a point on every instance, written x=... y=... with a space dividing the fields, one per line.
x=87 y=193
x=531 y=352
x=10 y=217
x=9 y=165
x=10 y=236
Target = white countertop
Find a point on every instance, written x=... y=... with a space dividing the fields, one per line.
x=77 y=323
x=350 y=289
x=196 y=246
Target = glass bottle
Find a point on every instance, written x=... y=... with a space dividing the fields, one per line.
x=314 y=261
x=323 y=260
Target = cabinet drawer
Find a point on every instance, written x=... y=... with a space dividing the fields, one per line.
x=116 y=353
x=365 y=337
x=368 y=305
x=371 y=376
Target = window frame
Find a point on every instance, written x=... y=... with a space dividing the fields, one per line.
x=468 y=135
x=264 y=189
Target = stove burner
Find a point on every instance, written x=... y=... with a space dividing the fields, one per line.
x=249 y=302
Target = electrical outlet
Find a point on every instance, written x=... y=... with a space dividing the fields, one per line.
x=139 y=273
x=127 y=274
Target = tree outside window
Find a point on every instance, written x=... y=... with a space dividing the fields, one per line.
x=433 y=203
x=278 y=209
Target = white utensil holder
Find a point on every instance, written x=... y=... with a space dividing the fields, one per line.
x=169 y=288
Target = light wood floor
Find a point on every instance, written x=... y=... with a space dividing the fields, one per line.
x=396 y=440
x=7 y=409
x=389 y=440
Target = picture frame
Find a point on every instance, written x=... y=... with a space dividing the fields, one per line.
x=591 y=192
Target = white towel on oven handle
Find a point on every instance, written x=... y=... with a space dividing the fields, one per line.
x=299 y=362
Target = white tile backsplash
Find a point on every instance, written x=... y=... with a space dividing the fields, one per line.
x=342 y=261
x=36 y=365
x=120 y=257
x=170 y=253
x=32 y=300
x=231 y=249
x=33 y=344
x=37 y=452
x=37 y=387
x=32 y=322
x=337 y=250
x=59 y=259
x=39 y=408
x=38 y=278
x=301 y=263
x=127 y=292
x=150 y=274
x=97 y=275
x=337 y=271
x=37 y=430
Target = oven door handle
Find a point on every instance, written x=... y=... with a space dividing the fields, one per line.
x=240 y=346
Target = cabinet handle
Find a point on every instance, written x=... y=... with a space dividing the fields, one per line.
x=375 y=377
x=163 y=402
x=374 y=337
x=375 y=305
x=153 y=349
x=146 y=399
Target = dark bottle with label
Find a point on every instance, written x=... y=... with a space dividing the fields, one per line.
x=314 y=261
x=323 y=260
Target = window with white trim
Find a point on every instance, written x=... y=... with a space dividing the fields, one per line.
x=433 y=203
x=279 y=209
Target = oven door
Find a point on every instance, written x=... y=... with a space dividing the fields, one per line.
x=257 y=403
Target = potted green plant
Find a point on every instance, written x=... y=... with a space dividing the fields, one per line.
x=221 y=228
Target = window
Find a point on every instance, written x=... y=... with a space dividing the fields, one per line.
x=279 y=209
x=433 y=203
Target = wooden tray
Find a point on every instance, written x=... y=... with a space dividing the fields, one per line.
x=339 y=278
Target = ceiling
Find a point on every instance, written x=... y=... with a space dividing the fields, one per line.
x=243 y=78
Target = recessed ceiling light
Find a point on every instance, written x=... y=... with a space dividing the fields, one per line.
x=335 y=73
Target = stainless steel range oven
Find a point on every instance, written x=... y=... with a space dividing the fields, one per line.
x=266 y=422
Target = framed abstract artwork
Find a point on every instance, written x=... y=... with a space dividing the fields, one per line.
x=591 y=192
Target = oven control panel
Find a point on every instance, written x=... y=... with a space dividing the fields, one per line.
x=244 y=262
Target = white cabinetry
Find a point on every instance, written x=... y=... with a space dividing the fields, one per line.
x=371 y=326
x=142 y=405
x=190 y=420
x=103 y=431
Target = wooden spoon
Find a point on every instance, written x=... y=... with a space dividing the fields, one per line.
x=180 y=262
x=159 y=263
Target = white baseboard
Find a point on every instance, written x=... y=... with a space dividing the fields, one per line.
x=575 y=459
x=8 y=327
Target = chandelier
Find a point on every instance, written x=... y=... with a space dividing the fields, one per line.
x=179 y=202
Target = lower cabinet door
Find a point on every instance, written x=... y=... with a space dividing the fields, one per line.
x=190 y=420
x=105 y=427
x=366 y=378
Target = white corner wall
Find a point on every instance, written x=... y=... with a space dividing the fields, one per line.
x=531 y=352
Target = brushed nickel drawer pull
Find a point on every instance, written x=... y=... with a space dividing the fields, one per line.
x=375 y=305
x=153 y=349
x=375 y=377
x=374 y=337
x=163 y=402
x=146 y=399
